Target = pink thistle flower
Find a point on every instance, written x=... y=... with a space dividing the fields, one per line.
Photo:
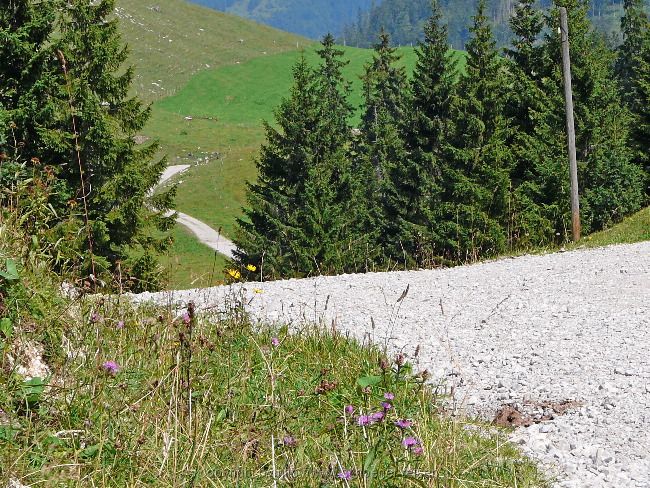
x=363 y=420
x=389 y=396
x=410 y=442
x=349 y=409
x=94 y=317
x=275 y=342
x=404 y=424
x=186 y=318
x=111 y=367
x=289 y=441
x=418 y=451
x=345 y=475
x=377 y=417
x=120 y=325
x=386 y=405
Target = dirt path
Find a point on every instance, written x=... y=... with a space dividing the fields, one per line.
x=203 y=232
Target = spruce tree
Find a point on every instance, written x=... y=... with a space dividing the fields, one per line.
x=529 y=224
x=642 y=111
x=25 y=77
x=83 y=122
x=383 y=152
x=433 y=88
x=611 y=184
x=302 y=217
x=631 y=64
x=475 y=175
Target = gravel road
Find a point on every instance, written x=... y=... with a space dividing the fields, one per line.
x=203 y=232
x=537 y=333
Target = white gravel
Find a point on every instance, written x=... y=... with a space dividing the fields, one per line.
x=564 y=326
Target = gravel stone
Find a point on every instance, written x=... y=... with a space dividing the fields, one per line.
x=529 y=331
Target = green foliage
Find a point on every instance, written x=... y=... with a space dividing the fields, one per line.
x=381 y=152
x=475 y=176
x=403 y=20
x=72 y=112
x=299 y=219
x=632 y=69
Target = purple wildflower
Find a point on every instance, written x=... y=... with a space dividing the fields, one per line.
x=364 y=420
x=418 y=450
x=389 y=396
x=377 y=417
x=289 y=441
x=275 y=342
x=186 y=318
x=386 y=405
x=404 y=424
x=349 y=409
x=94 y=317
x=120 y=324
x=345 y=475
x=410 y=442
x=111 y=367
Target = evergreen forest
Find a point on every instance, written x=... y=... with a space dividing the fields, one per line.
x=451 y=165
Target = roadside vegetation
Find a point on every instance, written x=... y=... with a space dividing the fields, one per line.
x=95 y=391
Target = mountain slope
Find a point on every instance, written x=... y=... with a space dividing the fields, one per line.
x=173 y=40
x=311 y=18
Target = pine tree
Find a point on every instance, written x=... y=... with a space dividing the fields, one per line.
x=301 y=219
x=610 y=182
x=635 y=26
x=610 y=185
x=266 y=235
x=25 y=30
x=383 y=151
x=433 y=87
x=642 y=112
x=73 y=108
x=475 y=178
x=530 y=224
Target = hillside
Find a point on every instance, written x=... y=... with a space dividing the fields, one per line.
x=311 y=18
x=172 y=41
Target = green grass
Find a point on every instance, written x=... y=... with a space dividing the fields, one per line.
x=175 y=40
x=635 y=228
x=190 y=264
x=147 y=396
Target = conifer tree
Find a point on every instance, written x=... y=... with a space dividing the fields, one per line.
x=301 y=218
x=383 y=152
x=75 y=112
x=475 y=178
x=610 y=182
x=433 y=88
x=642 y=111
x=529 y=224
x=25 y=30
x=632 y=56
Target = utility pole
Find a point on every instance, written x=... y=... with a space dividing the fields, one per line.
x=570 y=125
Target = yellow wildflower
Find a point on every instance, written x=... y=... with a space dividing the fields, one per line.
x=258 y=290
x=251 y=267
x=234 y=273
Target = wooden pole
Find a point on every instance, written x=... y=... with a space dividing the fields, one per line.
x=570 y=125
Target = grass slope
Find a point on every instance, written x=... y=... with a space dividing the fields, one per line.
x=173 y=40
x=142 y=396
